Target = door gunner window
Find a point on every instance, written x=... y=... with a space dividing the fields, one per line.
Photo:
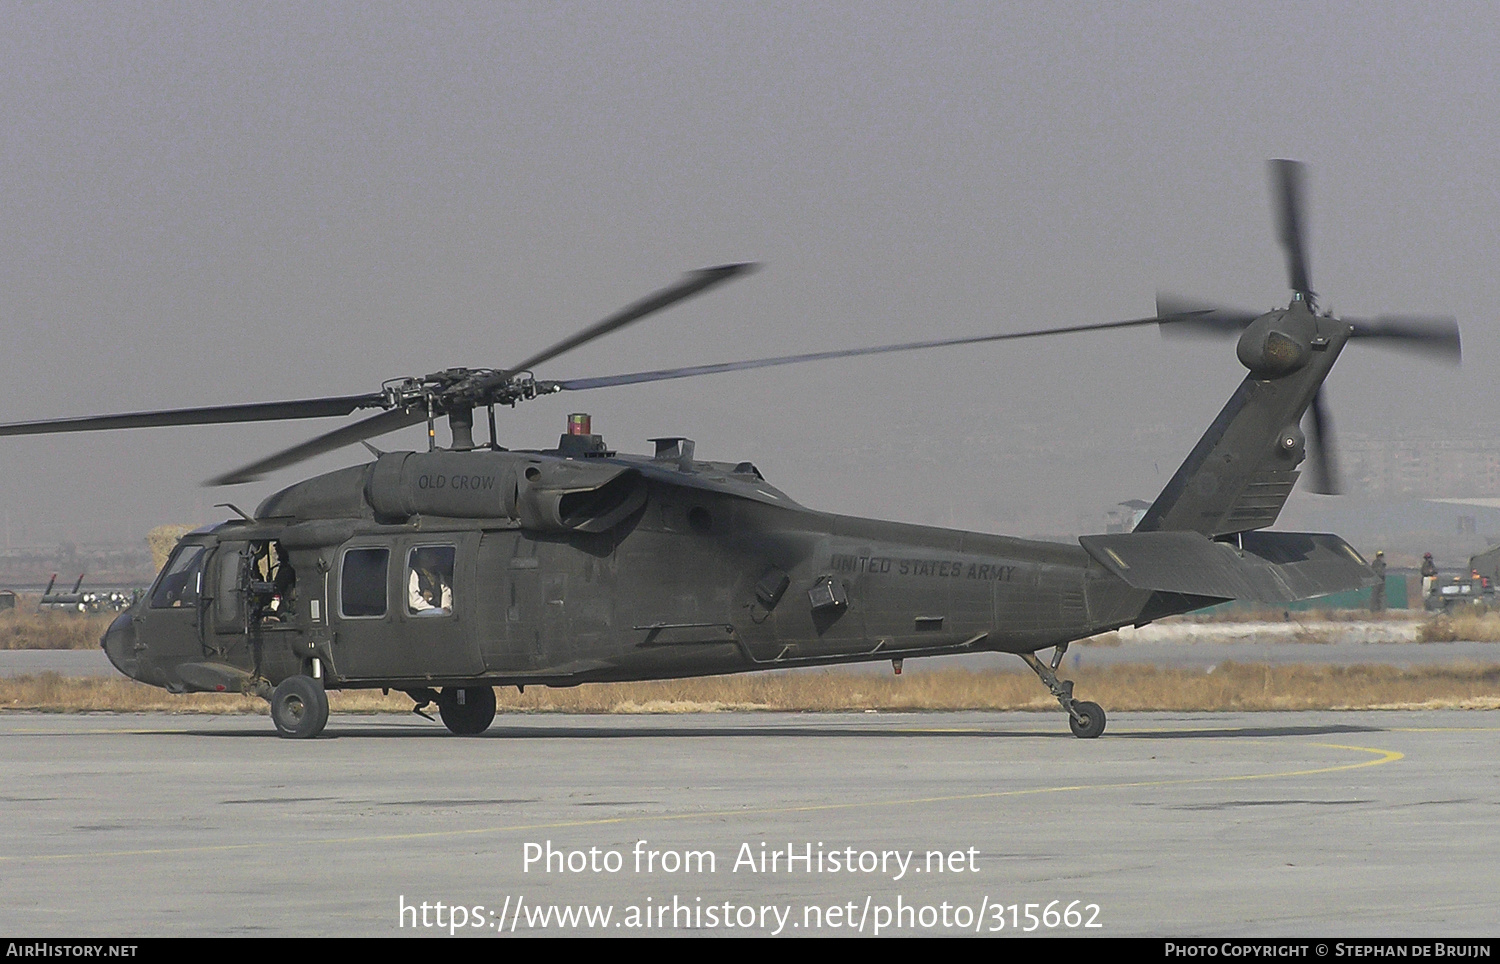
x=362 y=582
x=181 y=581
x=429 y=581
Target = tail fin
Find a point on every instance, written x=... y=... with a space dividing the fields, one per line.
x=50 y=583
x=1240 y=473
x=79 y=584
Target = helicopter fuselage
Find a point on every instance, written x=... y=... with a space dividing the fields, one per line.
x=561 y=569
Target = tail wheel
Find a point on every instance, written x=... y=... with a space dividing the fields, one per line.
x=467 y=710
x=299 y=708
x=1088 y=721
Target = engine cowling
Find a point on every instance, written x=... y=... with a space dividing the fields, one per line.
x=566 y=496
x=552 y=495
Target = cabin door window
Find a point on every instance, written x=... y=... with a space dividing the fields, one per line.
x=429 y=581
x=362 y=583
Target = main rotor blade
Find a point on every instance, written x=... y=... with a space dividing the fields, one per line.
x=1436 y=336
x=663 y=374
x=1197 y=318
x=369 y=428
x=211 y=415
x=1286 y=183
x=695 y=282
x=1320 y=448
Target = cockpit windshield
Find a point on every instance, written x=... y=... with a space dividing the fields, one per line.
x=181 y=582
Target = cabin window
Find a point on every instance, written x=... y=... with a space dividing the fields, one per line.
x=362 y=583
x=429 y=581
x=181 y=582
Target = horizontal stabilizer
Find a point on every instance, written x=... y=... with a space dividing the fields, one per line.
x=1268 y=567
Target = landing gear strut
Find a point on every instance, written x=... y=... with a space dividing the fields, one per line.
x=1086 y=719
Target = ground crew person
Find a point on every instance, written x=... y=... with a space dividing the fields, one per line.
x=1429 y=574
x=1377 y=592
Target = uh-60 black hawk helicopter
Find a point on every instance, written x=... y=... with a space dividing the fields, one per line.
x=448 y=572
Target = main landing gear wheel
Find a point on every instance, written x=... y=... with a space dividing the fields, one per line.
x=1084 y=718
x=467 y=710
x=299 y=708
x=1089 y=721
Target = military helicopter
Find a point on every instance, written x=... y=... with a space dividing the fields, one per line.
x=448 y=572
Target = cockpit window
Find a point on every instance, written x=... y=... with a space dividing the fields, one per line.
x=362 y=583
x=181 y=582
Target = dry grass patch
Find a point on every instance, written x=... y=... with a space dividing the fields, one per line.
x=53 y=693
x=1229 y=686
x=1462 y=626
x=1262 y=615
x=26 y=628
x=50 y=692
x=827 y=691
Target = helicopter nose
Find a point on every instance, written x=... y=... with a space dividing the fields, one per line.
x=119 y=644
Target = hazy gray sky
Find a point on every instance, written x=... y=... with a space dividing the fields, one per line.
x=216 y=203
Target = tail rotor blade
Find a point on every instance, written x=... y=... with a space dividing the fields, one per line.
x=1286 y=184
x=1320 y=448
x=1434 y=336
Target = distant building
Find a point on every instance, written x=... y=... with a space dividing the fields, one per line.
x=1423 y=467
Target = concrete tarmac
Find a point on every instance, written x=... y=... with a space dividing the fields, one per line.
x=1265 y=824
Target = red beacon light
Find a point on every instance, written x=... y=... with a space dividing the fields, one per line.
x=579 y=441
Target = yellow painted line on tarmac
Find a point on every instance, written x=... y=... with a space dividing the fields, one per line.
x=1379 y=757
